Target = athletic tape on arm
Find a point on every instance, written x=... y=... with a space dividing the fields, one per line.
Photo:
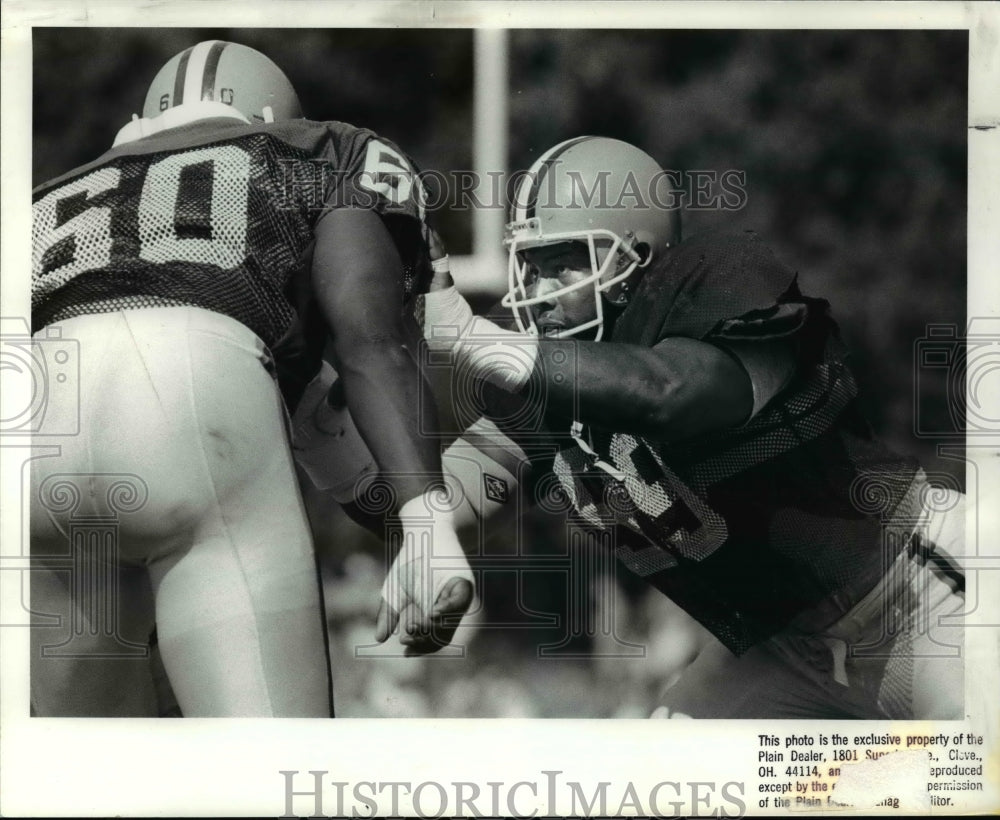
x=503 y=357
x=429 y=557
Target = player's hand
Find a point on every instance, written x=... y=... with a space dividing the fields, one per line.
x=439 y=260
x=429 y=586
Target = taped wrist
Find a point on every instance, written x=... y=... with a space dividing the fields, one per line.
x=446 y=316
x=504 y=358
x=430 y=554
x=441 y=274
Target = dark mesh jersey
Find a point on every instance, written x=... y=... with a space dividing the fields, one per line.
x=751 y=527
x=216 y=214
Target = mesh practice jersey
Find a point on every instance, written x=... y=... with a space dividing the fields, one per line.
x=749 y=527
x=216 y=214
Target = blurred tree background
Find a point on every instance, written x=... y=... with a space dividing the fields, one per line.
x=853 y=144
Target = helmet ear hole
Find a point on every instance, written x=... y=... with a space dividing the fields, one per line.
x=645 y=253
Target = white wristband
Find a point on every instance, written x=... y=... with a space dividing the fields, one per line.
x=430 y=555
x=504 y=358
x=446 y=316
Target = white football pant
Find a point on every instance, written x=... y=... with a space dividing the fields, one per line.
x=182 y=462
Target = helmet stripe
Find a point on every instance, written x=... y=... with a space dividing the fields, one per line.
x=518 y=211
x=211 y=67
x=179 y=77
x=543 y=169
x=196 y=70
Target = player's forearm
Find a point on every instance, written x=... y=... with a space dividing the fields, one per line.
x=680 y=392
x=680 y=388
x=392 y=413
x=620 y=387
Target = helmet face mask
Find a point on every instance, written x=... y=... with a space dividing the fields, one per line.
x=611 y=263
x=566 y=197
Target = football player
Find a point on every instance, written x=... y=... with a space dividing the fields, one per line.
x=714 y=429
x=222 y=233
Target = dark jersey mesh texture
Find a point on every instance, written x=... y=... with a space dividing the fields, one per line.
x=217 y=215
x=749 y=527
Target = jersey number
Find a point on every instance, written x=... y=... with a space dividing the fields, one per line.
x=388 y=174
x=193 y=208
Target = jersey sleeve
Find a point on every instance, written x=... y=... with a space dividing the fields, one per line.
x=770 y=365
x=731 y=290
x=373 y=172
x=365 y=170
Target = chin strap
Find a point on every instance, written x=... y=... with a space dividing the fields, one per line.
x=174 y=117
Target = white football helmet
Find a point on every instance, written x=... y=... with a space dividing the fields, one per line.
x=230 y=73
x=214 y=79
x=604 y=193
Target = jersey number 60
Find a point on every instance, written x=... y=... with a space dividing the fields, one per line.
x=214 y=234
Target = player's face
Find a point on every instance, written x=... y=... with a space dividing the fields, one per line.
x=552 y=268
